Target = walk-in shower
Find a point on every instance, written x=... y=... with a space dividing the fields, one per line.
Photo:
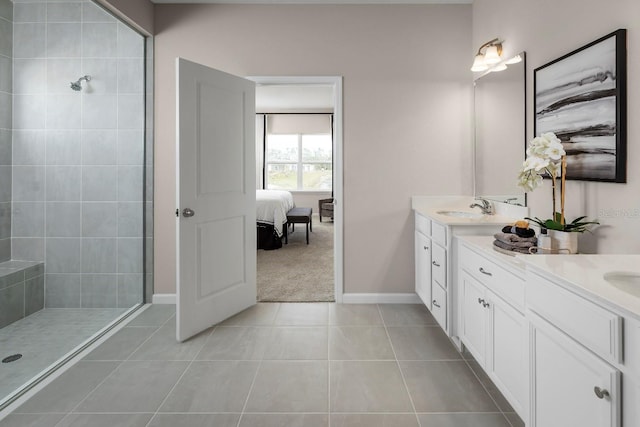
x=74 y=193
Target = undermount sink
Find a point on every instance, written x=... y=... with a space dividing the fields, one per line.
x=627 y=281
x=461 y=214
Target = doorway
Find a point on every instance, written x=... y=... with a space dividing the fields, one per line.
x=313 y=87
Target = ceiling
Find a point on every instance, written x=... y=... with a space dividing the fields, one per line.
x=315 y=1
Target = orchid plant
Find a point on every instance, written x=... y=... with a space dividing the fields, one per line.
x=545 y=155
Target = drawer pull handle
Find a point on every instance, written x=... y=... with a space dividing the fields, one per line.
x=483 y=271
x=434 y=302
x=480 y=301
x=485 y=304
x=601 y=392
x=435 y=263
x=426 y=247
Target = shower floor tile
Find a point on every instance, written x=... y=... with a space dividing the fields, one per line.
x=43 y=338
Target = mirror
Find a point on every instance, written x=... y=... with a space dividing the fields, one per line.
x=500 y=133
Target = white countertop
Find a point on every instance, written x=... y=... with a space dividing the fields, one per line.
x=581 y=273
x=584 y=273
x=429 y=206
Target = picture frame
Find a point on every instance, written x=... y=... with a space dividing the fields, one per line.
x=582 y=98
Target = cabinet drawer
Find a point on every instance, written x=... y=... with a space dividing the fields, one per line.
x=591 y=325
x=439 y=233
x=439 y=305
x=423 y=225
x=439 y=265
x=501 y=282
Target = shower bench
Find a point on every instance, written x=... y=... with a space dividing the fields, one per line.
x=21 y=290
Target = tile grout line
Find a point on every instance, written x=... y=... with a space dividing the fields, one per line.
x=155 y=413
x=120 y=363
x=246 y=401
x=404 y=381
x=466 y=362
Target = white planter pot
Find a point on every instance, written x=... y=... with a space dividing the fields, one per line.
x=563 y=242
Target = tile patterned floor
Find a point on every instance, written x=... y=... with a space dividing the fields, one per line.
x=43 y=338
x=275 y=365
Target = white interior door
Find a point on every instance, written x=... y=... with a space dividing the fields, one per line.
x=216 y=216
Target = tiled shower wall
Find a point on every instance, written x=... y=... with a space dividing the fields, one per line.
x=6 y=46
x=78 y=157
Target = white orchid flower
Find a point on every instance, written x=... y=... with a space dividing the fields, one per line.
x=555 y=151
x=535 y=163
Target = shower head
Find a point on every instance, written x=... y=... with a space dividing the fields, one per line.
x=77 y=86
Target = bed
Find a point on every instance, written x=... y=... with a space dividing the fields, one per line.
x=271 y=216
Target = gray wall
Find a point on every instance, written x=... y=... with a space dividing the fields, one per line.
x=78 y=157
x=6 y=44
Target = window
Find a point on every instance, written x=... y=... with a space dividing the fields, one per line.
x=299 y=161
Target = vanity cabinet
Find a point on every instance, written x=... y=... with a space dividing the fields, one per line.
x=436 y=268
x=492 y=329
x=571 y=386
x=431 y=265
x=575 y=355
x=423 y=267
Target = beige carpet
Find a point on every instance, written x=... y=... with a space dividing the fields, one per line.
x=299 y=272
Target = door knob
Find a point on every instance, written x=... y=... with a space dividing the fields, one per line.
x=187 y=213
x=601 y=392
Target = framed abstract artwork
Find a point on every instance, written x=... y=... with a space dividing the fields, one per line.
x=582 y=98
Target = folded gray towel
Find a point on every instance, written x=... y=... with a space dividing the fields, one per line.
x=507 y=246
x=512 y=239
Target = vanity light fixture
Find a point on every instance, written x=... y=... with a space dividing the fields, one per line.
x=490 y=56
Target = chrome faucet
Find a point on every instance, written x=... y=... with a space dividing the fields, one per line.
x=486 y=206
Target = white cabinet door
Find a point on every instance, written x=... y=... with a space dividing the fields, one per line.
x=507 y=361
x=423 y=268
x=439 y=304
x=474 y=317
x=571 y=387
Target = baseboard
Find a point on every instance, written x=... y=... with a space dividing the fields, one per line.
x=411 y=298
x=164 y=299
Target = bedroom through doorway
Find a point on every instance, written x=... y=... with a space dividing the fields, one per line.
x=298 y=182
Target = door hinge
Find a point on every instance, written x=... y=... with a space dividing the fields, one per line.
x=178 y=213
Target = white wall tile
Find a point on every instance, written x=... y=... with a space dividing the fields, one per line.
x=99 y=40
x=28 y=147
x=29 y=111
x=100 y=111
x=64 y=111
x=64 y=40
x=31 y=76
x=28 y=219
x=29 y=12
x=63 y=183
x=63 y=147
x=29 y=40
x=28 y=183
x=131 y=111
x=130 y=147
x=99 y=183
x=63 y=219
x=104 y=75
x=64 y=12
x=129 y=72
x=130 y=43
x=93 y=13
x=6 y=74
x=99 y=147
